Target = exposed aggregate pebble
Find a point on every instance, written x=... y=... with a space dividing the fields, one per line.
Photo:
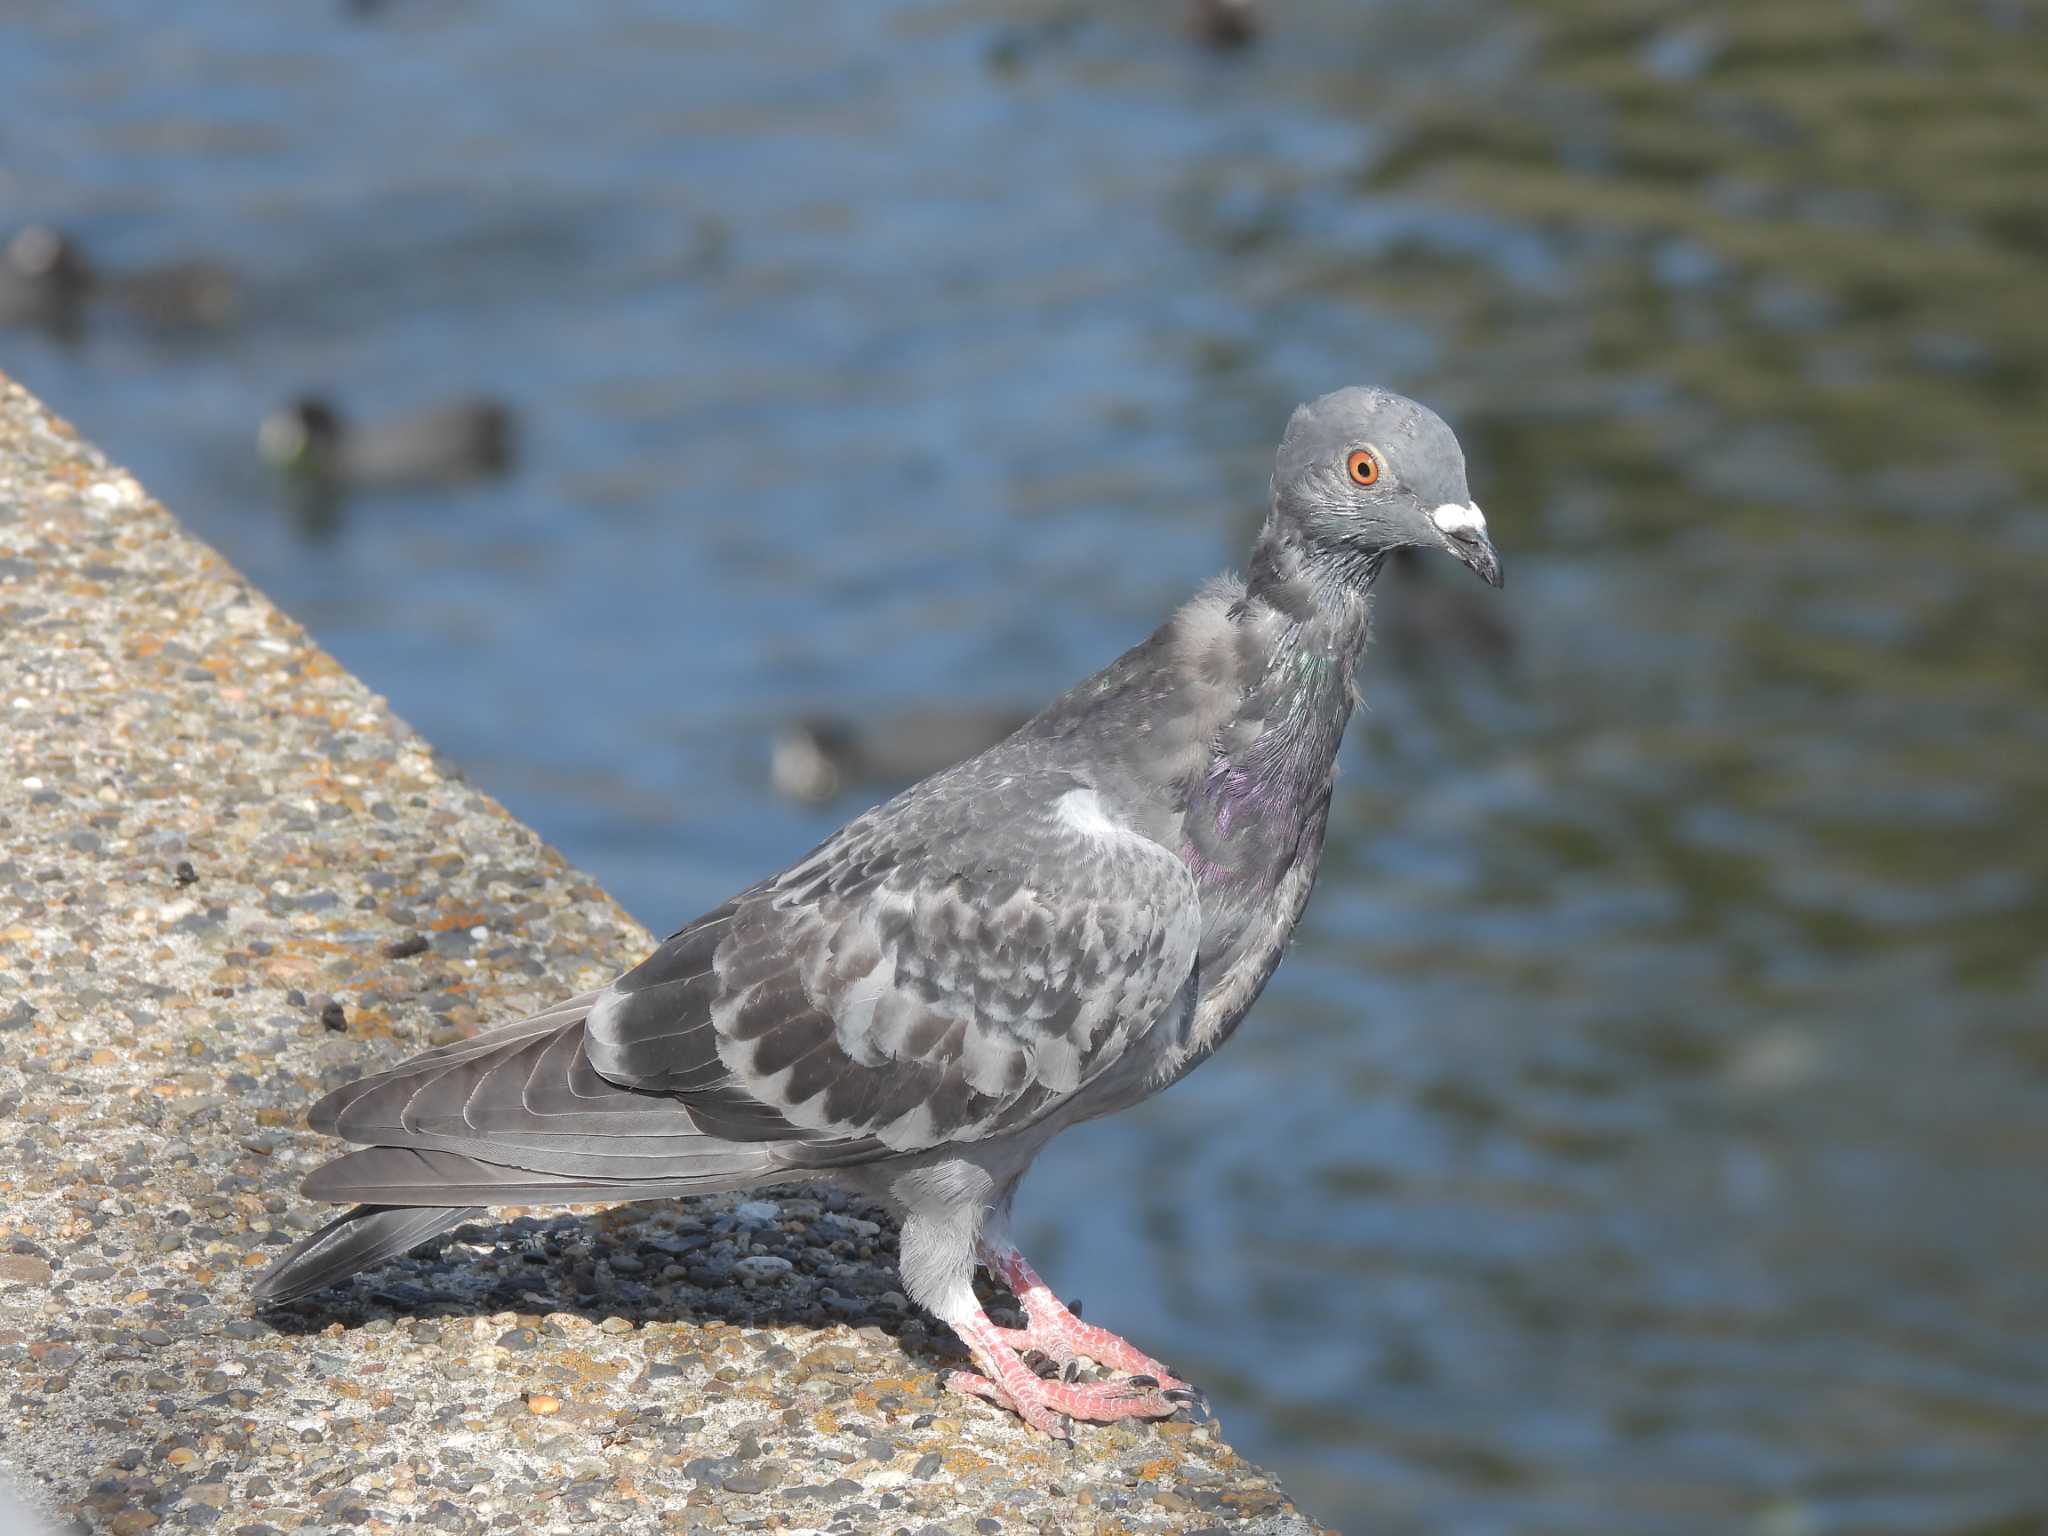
x=230 y=879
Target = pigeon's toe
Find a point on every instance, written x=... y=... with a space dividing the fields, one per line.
x=1052 y=1399
x=1054 y=1406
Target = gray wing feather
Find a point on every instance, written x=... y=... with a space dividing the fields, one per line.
x=326 y=1115
x=531 y=1102
x=945 y=969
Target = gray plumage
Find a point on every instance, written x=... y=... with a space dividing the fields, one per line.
x=1043 y=934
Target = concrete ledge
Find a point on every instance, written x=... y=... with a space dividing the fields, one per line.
x=230 y=879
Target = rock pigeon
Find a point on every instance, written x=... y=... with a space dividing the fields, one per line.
x=1046 y=933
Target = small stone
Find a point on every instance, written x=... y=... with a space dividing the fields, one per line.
x=543 y=1403
x=615 y=1325
x=405 y=948
x=22 y=1269
x=184 y=873
x=759 y=1268
x=333 y=1016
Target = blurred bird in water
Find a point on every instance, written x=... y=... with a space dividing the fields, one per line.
x=46 y=279
x=817 y=759
x=1223 y=24
x=1433 y=624
x=1047 y=933
x=444 y=445
x=43 y=279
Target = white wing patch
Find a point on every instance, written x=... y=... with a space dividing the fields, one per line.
x=1083 y=811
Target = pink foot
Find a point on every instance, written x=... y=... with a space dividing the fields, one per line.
x=1051 y=1406
x=1049 y=1326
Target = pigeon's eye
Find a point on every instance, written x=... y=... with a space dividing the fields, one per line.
x=1363 y=465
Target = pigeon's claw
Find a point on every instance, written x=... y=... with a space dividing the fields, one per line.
x=1049 y=1405
x=1014 y=1362
x=1050 y=1327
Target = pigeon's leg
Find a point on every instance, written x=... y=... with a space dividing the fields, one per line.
x=1050 y=1327
x=941 y=1239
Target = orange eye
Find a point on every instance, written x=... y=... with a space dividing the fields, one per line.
x=1363 y=466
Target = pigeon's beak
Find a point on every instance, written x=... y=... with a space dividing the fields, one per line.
x=1463 y=527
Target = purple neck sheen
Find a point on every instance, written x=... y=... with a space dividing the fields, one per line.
x=1246 y=813
x=1261 y=796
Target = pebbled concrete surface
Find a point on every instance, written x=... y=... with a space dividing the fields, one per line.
x=230 y=879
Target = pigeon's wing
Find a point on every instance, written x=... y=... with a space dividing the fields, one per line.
x=947 y=968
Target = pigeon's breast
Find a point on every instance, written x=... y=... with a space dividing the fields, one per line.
x=1246 y=926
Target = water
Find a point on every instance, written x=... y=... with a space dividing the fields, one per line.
x=1647 y=1133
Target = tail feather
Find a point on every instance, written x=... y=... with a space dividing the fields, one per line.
x=357 y=1239
x=409 y=1175
x=517 y=1116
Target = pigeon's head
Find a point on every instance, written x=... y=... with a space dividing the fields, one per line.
x=1363 y=471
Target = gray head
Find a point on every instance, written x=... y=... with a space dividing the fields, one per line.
x=1362 y=472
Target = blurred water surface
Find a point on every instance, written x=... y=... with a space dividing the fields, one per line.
x=1648 y=1132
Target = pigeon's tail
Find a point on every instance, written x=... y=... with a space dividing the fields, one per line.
x=409 y=1194
x=357 y=1239
x=514 y=1117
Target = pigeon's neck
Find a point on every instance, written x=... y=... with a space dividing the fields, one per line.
x=1300 y=630
x=1326 y=605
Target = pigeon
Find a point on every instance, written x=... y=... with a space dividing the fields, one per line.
x=1046 y=933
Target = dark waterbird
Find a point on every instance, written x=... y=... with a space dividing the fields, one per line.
x=46 y=279
x=1223 y=24
x=1046 y=933
x=818 y=758
x=311 y=439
